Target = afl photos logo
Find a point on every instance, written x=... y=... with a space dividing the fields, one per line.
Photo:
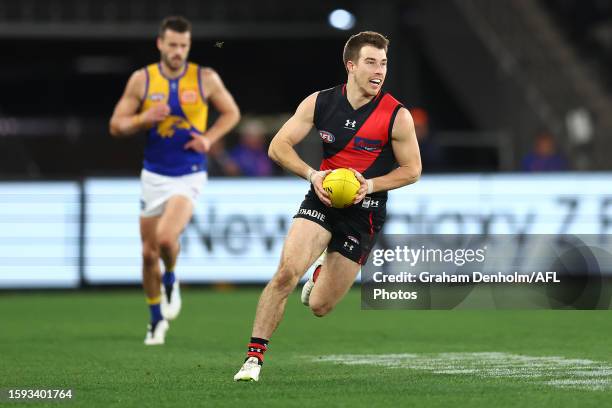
x=327 y=137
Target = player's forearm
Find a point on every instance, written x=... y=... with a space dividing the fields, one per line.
x=283 y=154
x=400 y=177
x=126 y=126
x=224 y=123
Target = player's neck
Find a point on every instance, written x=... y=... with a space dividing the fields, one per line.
x=355 y=97
x=169 y=72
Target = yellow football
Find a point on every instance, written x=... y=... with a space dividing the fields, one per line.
x=342 y=186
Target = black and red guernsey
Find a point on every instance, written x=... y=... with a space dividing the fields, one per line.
x=356 y=138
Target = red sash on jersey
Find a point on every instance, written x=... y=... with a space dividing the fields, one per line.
x=369 y=140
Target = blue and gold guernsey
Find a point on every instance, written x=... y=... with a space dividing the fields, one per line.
x=164 y=151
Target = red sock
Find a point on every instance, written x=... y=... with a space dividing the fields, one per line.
x=256 y=348
x=315 y=275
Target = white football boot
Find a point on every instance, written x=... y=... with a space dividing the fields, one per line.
x=156 y=335
x=171 y=305
x=249 y=370
x=307 y=288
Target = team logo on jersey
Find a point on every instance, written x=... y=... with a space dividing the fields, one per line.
x=350 y=124
x=157 y=96
x=369 y=145
x=188 y=96
x=327 y=137
x=171 y=124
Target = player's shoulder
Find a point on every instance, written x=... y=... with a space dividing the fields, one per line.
x=404 y=115
x=329 y=96
x=403 y=123
x=140 y=75
x=211 y=80
x=207 y=72
x=331 y=92
x=307 y=106
x=391 y=100
x=148 y=70
x=137 y=83
x=316 y=98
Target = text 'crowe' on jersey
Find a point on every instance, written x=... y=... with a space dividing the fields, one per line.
x=356 y=138
x=165 y=151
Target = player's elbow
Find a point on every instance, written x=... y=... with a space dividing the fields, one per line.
x=413 y=173
x=273 y=153
x=416 y=174
x=235 y=115
x=113 y=130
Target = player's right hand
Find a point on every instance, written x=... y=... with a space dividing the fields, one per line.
x=155 y=114
x=363 y=186
x=317 y=181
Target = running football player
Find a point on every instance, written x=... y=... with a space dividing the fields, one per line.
x=169 y=100
x=362 y=128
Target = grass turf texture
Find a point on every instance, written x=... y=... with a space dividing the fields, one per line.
x=92 y=342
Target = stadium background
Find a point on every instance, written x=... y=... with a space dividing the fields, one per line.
x=486 y=78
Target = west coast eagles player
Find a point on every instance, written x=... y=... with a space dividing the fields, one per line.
x=361 y=127
x=169 y=100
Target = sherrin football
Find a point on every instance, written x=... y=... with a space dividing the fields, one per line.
x=342 y=186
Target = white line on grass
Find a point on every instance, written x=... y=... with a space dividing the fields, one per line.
x=550 y=370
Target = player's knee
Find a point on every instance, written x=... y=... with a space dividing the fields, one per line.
x=286 y=278
x=166 y=242
x=150 y=255
x=320 y=309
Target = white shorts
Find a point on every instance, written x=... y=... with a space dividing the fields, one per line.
x=157 y=190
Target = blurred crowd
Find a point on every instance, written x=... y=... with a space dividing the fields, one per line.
x=544 y=155
x=247 y=156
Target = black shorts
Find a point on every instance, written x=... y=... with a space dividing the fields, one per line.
x=354 y=229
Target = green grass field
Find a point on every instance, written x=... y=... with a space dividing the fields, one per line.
x=92 y=342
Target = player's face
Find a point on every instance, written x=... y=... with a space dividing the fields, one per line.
x=174 y=48
x=370 y=70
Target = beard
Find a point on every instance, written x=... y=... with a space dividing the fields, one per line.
x=174 y=64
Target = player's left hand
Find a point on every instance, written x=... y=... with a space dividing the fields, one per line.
x=199 y=143
x=363 y=187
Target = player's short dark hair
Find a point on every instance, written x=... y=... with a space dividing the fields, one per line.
x=357 y=41
x=175 y=23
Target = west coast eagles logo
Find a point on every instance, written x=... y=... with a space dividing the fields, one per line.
x=169 y=126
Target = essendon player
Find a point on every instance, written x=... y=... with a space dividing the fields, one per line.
x=362 y=128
